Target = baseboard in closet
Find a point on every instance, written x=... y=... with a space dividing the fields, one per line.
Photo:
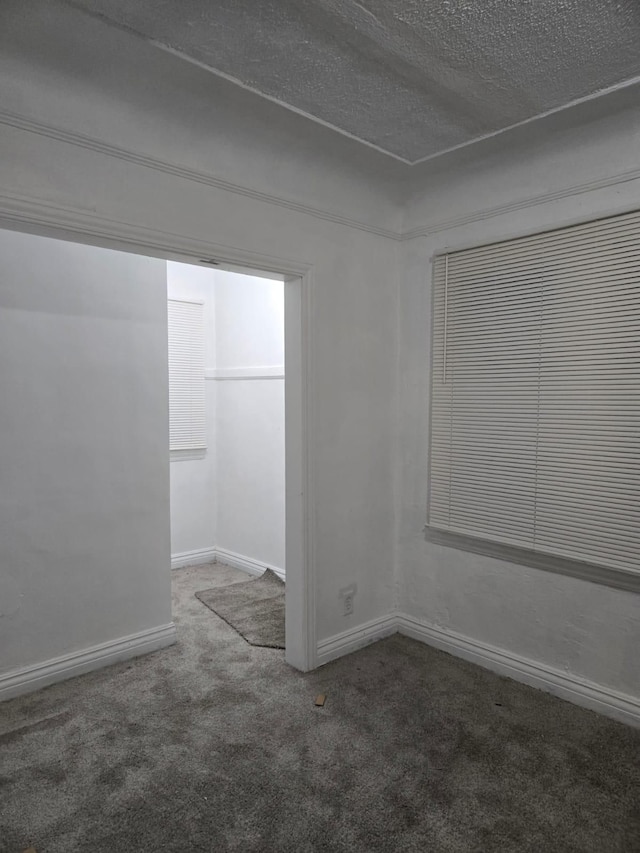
x=193 y=558
x=246 y=564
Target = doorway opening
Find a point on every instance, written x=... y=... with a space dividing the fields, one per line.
x=92 y=365
x=227 y=446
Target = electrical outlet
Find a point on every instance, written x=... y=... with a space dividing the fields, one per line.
x=348 y=604
x=347 y=595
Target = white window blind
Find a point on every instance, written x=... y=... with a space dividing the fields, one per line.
x=186 y=376
x=535 y=411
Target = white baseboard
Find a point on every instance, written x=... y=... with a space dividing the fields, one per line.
x=564 y=685
x=193 y=558
x=355 y=638
x=221 y=555
x=596 y=697
x=30 y=678
x=246 y=564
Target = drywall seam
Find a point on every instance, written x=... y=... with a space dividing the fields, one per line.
x=24 y=213
x=588 y=694
x=428 y=229
x=193 y=558
x=30 y=678
x=73 y=138
x=246 y=564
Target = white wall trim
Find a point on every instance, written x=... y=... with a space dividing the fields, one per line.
x=188 y=454
x=72 y=137
x=30 y=678
x=579 y=691
x=430 y=228
x=356 y=638
x=225 y=373
x=50 y=219
x=588 y=694
x=193 y=558
x=78 y=139
x=300 y=467
x=246 y=564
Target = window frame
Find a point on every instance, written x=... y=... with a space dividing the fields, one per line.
x=196 y=450
x=617 y=578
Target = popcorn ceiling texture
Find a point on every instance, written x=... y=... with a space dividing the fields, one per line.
x=413 y=77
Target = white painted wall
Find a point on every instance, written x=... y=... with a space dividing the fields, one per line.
x=249 y=321
x=231 y=497
x=586 y=630
x=193 y=474
x=84 y=538
x=250 y=418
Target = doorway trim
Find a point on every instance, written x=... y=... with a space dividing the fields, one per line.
x=50 y=220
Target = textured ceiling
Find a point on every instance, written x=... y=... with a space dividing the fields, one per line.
x=414 y=78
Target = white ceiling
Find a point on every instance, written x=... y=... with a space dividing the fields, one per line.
x=413 y=78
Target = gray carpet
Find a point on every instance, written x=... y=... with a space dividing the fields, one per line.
x=215 y=745
x=255 y=608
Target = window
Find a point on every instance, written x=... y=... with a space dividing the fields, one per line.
x=186 y=376
x=535 y=400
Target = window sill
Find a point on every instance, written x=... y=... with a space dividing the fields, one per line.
x=616 y=578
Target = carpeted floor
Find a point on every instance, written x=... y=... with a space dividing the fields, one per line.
x=255 y=607
x=214 y=745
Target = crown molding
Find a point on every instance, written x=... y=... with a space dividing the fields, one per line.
x=206 y=178
x=430 y=228
x=426 y=230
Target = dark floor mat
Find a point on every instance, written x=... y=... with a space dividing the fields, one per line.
x=255 y=608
